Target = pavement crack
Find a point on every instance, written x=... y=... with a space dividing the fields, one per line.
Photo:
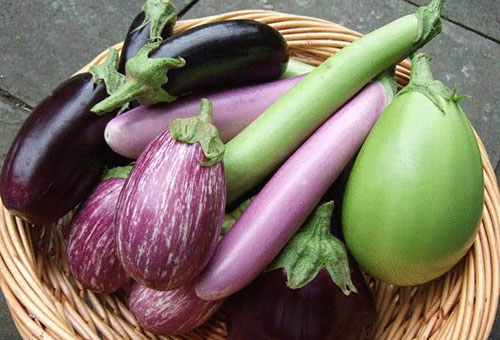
x=14 y=100
x=187 y=8
x=497 y=168
x=496 y=40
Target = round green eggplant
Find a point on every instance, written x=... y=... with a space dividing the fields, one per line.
x=414 y=199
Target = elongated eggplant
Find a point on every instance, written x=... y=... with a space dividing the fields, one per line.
x=91 y=246
x=307 y=294
x=170 y=312
x=171 y=209
x=211 y=56
x=59 y=153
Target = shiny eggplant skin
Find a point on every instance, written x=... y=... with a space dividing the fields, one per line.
x=137 y=38
x=268 y=310
x=58 y=154
x=224 y=54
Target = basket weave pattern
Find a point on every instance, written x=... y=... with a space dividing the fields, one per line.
x=46 y=302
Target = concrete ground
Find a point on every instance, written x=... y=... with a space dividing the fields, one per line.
x=44 y=42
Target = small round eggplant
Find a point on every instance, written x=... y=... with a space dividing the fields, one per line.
x=268 y=309
x=171 y=209
x=170 y=312
x=91 y=247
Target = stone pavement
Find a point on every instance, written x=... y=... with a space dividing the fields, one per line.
x=44 y=42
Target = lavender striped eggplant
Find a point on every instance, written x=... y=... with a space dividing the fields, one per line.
x=91 y=242
x=171 y=209
x=171 y=312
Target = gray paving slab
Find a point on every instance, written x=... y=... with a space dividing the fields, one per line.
x=44 y=42
x=482 y=16
x=460 y=56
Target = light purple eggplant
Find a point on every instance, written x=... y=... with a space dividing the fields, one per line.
x=170 y=312
x=91 y=246
x=171 y=209
x=129 y=133
x=265 y=227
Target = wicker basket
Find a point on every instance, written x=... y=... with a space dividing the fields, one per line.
x=47 y=303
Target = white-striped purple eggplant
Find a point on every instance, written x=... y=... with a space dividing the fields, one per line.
x=91 y=246
x=308 y=293
x=171 y=209
x=170 y=312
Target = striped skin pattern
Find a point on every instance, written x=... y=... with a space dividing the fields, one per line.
x=170 y=312
x=91 y=247
x=169 y=214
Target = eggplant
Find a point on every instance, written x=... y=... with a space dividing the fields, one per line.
x=211 y=56
x=145 y=27
x=171 y=208
x=311 y=292
x=170 y=312
x=91 y=246
x=268 y=309
x=59 y=153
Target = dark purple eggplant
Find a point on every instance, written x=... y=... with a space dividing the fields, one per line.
x=211 y=56
x=147 y=26
x=170 y=312
x=57 y=155
x=171 y=209
x=311 y=292
x=60 y=152
x=91 y=246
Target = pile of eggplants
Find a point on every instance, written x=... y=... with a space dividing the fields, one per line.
x=59 y=153
x=161 y=220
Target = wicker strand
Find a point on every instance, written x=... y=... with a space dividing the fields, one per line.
x=46 y=302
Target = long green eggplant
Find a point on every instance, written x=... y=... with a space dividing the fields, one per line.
x=414 y=198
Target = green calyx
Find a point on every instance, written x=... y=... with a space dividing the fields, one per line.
x=159 y=13
x=313 y=248
x=429 y=23
x=143 y=81
x=117 y=172
x=231 y=218
x=200 y=129
x=422 y=80
x=107 y=72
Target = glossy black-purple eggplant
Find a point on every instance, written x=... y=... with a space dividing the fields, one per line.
x=313 y=291
x=59 y=153
x=148 y=24
x=207 y=57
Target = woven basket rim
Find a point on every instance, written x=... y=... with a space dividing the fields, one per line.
x=46 y=304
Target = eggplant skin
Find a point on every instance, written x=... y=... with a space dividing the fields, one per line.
x=137 y=38
x=268 y=310
x=224 y=54
x=91 y=248
x=57 y=155
x=170 y=312
x=169 y=214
